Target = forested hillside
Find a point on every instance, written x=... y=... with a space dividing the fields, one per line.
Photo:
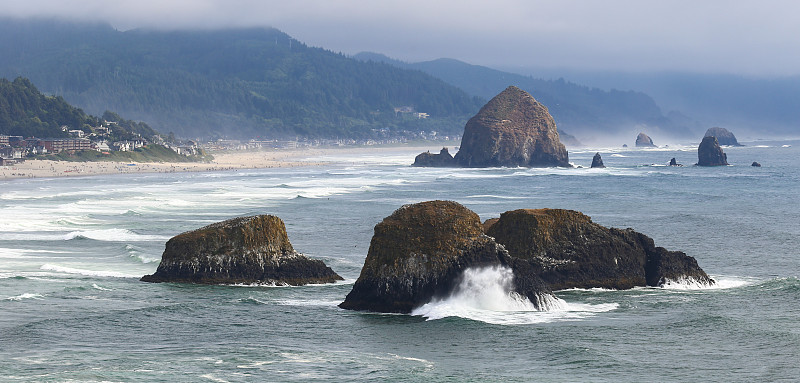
x=237 y=83
x=24 y=111
x=581 y=110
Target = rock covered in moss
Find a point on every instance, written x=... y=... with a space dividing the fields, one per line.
x=246 y=250
x=574 y=252
x=420 y=251
x=441 y=160
x=512 y=129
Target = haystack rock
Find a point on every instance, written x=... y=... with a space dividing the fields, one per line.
x=420 y=253
x=512 y=129
x=597 y=161
x=441 y=160
x=709 y=153
x=724 y=137
x=644 y=141
x=571 y=251
x=246 y=250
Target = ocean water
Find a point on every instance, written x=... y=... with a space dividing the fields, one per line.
x=72 y=250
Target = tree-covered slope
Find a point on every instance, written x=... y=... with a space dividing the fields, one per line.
x=578 y=109
x=241 y=83
x=24 y=111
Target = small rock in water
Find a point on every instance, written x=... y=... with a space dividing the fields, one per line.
x=756 y=164
x=597 y=161
x=673 y=162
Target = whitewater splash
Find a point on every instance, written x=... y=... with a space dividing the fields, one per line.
x=486 y=295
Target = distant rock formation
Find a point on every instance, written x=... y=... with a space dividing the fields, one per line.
x=597 y=161
x=252 y=249
x=673 y=162
x=512 y=129
x=709 y=153
x=724 y=137
x=441 y=160
x=644 y=141
x=571 y=251
x=624 y=145
x=756 y=164
x=420 y=252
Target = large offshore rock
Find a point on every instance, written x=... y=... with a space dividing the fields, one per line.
x=724 y=137
x=644 y=141
x=574 y=252
x=441 y=160
x=512 y=129
x=597 y=161
x=709 y=153
x=252 y=249
x=420 y=252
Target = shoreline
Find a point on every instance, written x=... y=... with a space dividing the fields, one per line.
x=223 y=161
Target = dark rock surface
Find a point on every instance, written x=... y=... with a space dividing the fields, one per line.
x=571 y=251
x=512 y=129
x=724 y=137
x=673 y=162
x=419 y=253
x=644 y=141
x=252 y=249
x=756 y=164
x=709 y=153
x=597 y=161
x=441 y=160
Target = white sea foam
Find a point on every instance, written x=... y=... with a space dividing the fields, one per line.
x=113 y=235
x=90 y=273
x=25 y=296
x=101 y=288
x=721 y=282
x=619 y=155
x=485 y=294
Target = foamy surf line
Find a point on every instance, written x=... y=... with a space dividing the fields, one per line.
x=486 y=295
x=720 y=283
x=89 y=273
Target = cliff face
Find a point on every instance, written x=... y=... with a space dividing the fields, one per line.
x=724 y=137
x=572 y=251
x=420 y=251
x=644 y=141
x=241 y=250
x=441 y=160
x=512 y=129
x=709 y=153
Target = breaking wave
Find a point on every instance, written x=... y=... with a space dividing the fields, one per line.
x=486 y=295
x=90 y=273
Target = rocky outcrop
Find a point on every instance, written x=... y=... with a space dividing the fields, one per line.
x=709 y=153
x=674 y=162
x=571 y=251
x=441 y=160
x=597 y=161
x=512 y=129
x=644 y=141
x=756 y=164
x=241 y=250
x=724 y=137
x=419 y=253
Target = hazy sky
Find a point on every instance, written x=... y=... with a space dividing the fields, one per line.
x=744 y=37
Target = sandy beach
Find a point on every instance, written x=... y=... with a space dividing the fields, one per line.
x=274 y=158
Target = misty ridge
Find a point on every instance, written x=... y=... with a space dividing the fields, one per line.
x=260 y=82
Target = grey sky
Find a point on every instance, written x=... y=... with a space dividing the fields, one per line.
x=745 y=37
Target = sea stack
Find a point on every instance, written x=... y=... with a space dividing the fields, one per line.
x=245 y=250
x=571 y=251
x=709 y=153
x=644 y=141
x=674 y=162
x=756 y=164
x=597 y=161
x=420 y=252
x=441 y=160
x=512 y=129
x=724 y=137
